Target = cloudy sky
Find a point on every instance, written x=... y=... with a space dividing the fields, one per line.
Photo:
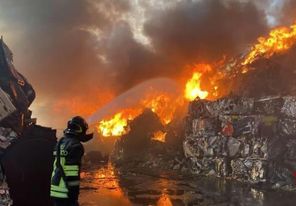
x=79 y=54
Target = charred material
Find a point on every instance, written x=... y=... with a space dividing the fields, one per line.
x=247 y=139
x=135 y=144
x=138 y=151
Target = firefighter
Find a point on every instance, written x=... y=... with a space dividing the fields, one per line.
x=68 y=152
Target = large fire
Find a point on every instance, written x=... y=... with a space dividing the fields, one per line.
x=163 y=105
x=279 y=40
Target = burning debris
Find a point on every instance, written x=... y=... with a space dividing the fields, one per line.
x=135 y=143
x=145 y=146
x=279 y=40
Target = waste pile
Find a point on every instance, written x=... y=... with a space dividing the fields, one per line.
x=247 y=139
x=138 y=151
x=16 y=127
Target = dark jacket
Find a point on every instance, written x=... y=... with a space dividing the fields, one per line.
x=66 y=175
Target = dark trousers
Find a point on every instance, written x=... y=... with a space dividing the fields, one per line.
x=65 y=202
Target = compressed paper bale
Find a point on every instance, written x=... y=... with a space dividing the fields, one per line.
x=259 y=148
x=289 y=107
x=221 y=167
x=249 y=170
x=231 y=106
x=233 y=146
x=242 y=125
x=215 y=146
x=287 y=127
x=191 y=149
x=259 y=171
x=291 y=150
x=205 y=127
x=268 y=105
x=252 y=136
x=279 y=174
x=226 y=106
x=268 y=126
x=276 y=148
x=246 y=146
x=195 y=165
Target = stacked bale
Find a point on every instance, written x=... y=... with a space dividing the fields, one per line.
x=252 y=140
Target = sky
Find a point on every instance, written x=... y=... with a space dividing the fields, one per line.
x=80 y=54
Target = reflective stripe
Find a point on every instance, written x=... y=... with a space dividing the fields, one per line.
x=58 y=188
x=74 y=183
x=71 y=167
x=71 y=173
x=58 y=194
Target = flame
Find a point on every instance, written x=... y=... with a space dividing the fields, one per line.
x=115 y=126
x=279 y=40
x=159 y=136
x=161 y=104
x=193 y=90
x=118 y=124
x=164 y=200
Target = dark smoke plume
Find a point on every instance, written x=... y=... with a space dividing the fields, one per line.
x=189 y=32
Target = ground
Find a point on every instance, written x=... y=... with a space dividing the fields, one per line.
x=105 y=186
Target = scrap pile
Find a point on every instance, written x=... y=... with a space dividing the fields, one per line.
x=16 y=124
x=138 y=150
x=248 y=139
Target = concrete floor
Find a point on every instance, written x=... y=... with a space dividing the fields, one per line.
x=103 y=186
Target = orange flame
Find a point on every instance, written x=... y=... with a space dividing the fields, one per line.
x=113 y=127
x=279 y=40
x=159 y=136
x=163 y=105
x=118 y=124
x=193 y=89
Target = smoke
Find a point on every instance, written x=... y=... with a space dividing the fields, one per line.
x=54 y=49
x=270 y=77
x=133 y=97
x=186 y=33
x=79 y=54
x=204 y=31
x=288 y=12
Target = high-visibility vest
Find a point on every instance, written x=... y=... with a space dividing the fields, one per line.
x=61 y=171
